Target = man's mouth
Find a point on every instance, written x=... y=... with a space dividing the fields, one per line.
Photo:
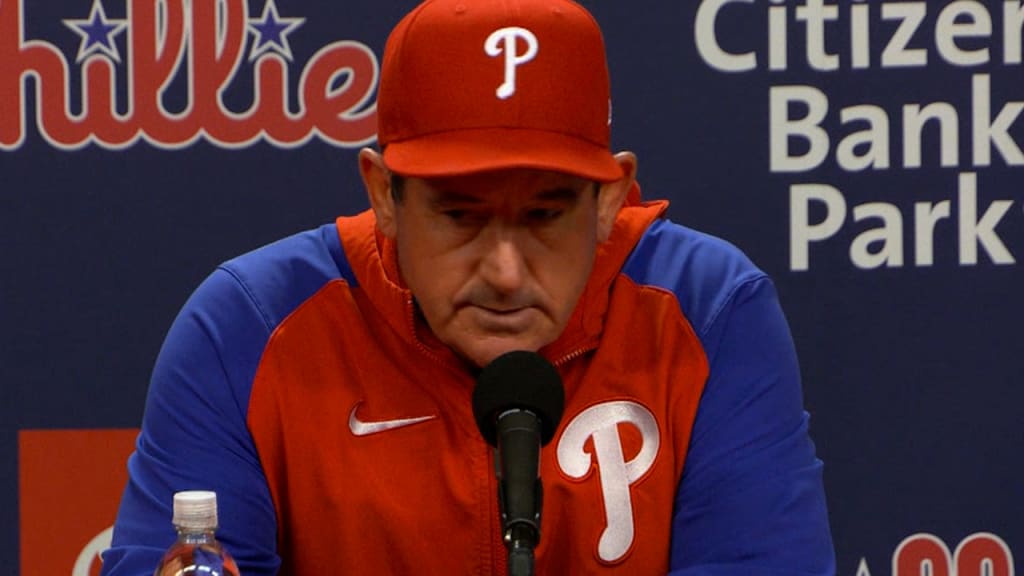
x=504 y=319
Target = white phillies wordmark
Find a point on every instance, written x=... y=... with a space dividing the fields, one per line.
x=601 y=423
x=504 y=41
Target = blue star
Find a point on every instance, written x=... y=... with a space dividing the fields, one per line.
x=97 y=33
x=272 y=31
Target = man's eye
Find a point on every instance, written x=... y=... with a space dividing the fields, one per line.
x=463 y=217
x=544 y=214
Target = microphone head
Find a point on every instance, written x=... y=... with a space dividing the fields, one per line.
x=518 y=380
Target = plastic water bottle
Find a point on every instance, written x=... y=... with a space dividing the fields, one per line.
x=197 y=551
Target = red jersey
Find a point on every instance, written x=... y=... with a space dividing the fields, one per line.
x=301 y=384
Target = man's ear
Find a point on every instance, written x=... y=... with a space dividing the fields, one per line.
x=377 y=180
x=612 y=195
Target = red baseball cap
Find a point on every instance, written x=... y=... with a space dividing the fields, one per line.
x=474 y=85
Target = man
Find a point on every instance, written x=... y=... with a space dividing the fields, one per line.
x=321 y=385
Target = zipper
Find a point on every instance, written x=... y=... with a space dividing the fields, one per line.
x=499 y=553
x=574 y=355
x=410 y=321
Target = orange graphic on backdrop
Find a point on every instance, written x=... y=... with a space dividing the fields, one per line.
x=70 y=484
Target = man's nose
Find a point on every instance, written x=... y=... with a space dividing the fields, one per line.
x=503 y=265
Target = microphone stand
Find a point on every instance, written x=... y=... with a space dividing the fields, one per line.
x=519 y=489
x=513 y=394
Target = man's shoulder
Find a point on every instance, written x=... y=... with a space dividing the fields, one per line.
x=317 y=249
x=702 y=270
x=278 y=277
x=674 y=256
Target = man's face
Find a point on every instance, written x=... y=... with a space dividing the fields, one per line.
x=498 y=260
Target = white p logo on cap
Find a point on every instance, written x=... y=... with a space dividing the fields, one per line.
x=504 y=41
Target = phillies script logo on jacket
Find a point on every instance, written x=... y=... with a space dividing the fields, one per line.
x=206 y=41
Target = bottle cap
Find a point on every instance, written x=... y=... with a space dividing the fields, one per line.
x=195 y=509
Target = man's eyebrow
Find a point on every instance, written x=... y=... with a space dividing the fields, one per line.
x=560 y=194
x=441 y=197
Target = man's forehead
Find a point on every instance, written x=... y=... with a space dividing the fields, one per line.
x=520 y=183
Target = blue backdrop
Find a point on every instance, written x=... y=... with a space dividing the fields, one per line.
x=866 y=154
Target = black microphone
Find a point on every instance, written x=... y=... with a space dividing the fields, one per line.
x=517 y=403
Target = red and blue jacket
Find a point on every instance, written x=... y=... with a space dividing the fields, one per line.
x=300 y=384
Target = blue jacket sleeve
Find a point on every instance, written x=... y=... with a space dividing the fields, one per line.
x=194 y=436
x=751 y=500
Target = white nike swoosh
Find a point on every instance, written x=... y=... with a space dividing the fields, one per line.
x=360 y=428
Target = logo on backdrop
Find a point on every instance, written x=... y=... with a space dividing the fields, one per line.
x=972 y=48
x=77 y=474
x=157 y=42
x=980 y=554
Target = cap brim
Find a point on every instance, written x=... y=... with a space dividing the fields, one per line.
x=470 y=151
